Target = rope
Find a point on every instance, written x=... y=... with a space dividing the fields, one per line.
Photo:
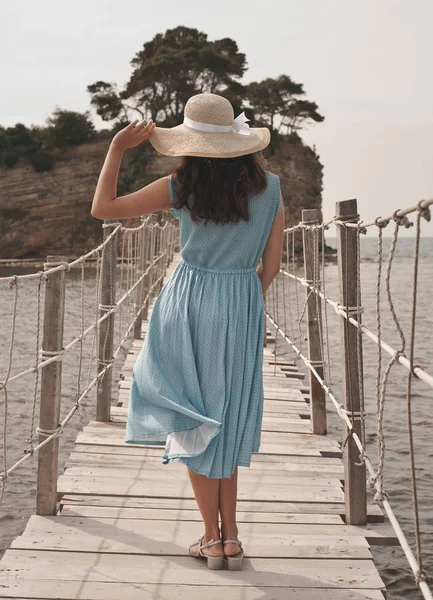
x=352 y=315
x=420 y=573
x=48 y=432
x=45 y=357
x=111 y=224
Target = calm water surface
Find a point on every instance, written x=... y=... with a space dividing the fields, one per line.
x=19 y=500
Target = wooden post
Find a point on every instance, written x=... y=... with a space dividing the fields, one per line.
x=314 y=324
x=355 y=476
x=106 y=328
x=52 y=342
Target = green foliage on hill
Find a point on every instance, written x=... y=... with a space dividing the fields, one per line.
x=182 y=62
x=40 y=146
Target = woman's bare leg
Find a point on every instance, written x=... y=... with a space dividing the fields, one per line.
x=206 y=492
x=228 y=492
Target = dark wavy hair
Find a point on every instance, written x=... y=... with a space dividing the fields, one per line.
x=220 y=186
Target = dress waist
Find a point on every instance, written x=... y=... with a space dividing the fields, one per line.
x=200 y=268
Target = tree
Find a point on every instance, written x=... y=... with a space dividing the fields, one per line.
x=168 y=70
x=279 y=103
x=106 y=100
x=70 y=128
x=297 y=113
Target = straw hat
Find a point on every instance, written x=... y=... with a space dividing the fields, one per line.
x=210 y=130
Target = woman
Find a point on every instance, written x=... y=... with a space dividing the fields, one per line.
x=197 y=384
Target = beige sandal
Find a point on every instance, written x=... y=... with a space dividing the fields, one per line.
x=234 y=562
x=213 y=562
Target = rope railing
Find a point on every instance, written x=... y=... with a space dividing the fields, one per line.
x=129 y=265
x=285 y=314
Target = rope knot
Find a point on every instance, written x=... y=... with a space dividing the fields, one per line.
x=415 y=366
x=402 y=220
x=372 y=480
x=361 y=458
x=13 y=283
x=349 y=434
x=424 y=210
x=3 y=476
x=380 y=496
x=422 y=576
x=47 y=432
x=381 y=224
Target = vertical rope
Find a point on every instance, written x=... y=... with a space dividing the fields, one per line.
x=80 y=360
x=329 y=382
x=421 y=574
x=359 y=348
x=298 y=318
x=97 y=296
x=13 y=286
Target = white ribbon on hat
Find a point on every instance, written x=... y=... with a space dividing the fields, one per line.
x=239 y=126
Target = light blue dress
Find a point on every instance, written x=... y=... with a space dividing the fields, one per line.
x=197 y=384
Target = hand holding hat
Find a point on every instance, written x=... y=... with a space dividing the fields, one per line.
x=133 y=134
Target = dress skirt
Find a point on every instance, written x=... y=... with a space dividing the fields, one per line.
x=197 y=384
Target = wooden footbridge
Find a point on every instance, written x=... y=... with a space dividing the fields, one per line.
x=116 y=524
x=125 y=521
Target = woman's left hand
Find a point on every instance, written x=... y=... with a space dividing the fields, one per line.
x=133 y=134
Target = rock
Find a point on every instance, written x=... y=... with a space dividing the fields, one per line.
x=49 y=213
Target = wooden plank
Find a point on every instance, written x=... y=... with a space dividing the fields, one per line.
x=337 y=508
x=154 y=472
x=129 y=462
x=97 y=590
x=137 y=450
x=149 y=537
x=113 y=434
x=269 y=424
x=47 y=566
x=359 y=534
x=181 y=489
x=172 y=514
x=297 y=449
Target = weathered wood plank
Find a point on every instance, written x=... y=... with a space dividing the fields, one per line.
x=128 y=462
x=178 y=570
x=132 y=536
x=102 y=590
x=38 y=525
x=137 y=450
x=336 y=508
x=297 y=449
x=114 y=434
x=156 y=472
x=172 y=514
x=181 y=489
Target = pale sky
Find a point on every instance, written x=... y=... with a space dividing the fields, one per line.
x=367 y=64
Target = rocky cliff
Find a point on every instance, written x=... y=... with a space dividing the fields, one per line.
x=49 y=213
